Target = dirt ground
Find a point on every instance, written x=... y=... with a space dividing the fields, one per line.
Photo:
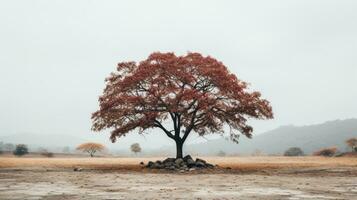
x=123 y=178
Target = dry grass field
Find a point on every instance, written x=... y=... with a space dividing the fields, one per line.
x=235 y=163
x=124 y=178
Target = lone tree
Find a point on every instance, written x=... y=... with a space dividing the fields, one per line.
x=91 y=148
x=352 y=142
x=135 y=148
x=20 y=150
x=197 y=93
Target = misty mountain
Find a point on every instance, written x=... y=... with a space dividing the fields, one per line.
x=56 y=142
x=35 y=141
x=308 y=138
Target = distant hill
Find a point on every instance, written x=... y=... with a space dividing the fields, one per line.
x=35 y=141
x=40 y=140
x=309 y=138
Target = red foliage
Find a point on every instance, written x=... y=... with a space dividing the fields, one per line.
x=198 y=93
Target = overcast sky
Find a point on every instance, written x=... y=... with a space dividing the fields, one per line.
x=54 y=56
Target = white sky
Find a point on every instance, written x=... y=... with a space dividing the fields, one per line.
x=54 y=56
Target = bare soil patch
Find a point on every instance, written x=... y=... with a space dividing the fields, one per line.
x=124 y=178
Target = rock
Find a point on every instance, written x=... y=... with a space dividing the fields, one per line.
x=167 y=165
x=150 y=164
x=141 y=163
x=200 y=160
x=77 y=169
x=184 y=168
x=209 y=165
x=158 y=165
x=169 y=160
x=178 y=161
x=190 y=163
x=171 y=168
x=192 y=169
x=187 y=158
x=200 y=164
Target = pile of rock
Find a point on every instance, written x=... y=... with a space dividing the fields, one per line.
x=182 y=164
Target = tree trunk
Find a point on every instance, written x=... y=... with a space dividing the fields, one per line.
x=179 y=145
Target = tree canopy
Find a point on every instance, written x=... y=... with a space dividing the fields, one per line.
x=20 y=150
x=196 y=93
x=294 y=151
x=91 y=148
x=135 y=148
x=352 y=142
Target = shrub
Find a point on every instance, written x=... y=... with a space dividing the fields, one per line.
x=294 y=151
x=20 y=150
x=327 y=152
x=45 y=153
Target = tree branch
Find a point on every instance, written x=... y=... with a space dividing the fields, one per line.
x=159 y=125
x=174 y=119
x=190 y=127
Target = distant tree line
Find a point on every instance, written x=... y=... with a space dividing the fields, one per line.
x=92 y=148
x=6 y=147
x=326 y=152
